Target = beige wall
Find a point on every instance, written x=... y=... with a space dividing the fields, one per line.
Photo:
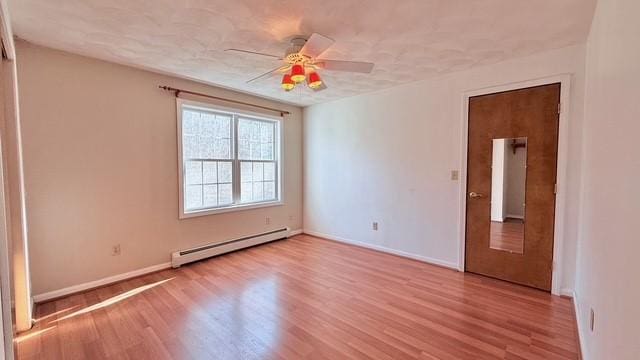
x=100 y=160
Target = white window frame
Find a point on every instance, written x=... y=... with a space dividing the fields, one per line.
x=235 y=182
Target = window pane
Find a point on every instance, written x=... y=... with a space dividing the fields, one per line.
x=269 y=171
x=256 y=139
x=222 y=149
x=257 y=191
x=243 y=130
x=257 y=171
x=254 y=131
x=244 y=149
x=206 y=135
x=267 y=151
x=208 y=125
x=190 y=146
x=210 y=194
x=224 y=172
x=206 y=145
x=193 y=197
x=246 y=171
x=246 y=192
x=269 y=190
x=193 y=172
x=255 y=151
x=257 y=181
x=266 y=132
x=190 y=122
x=225 y=195
x=223 y=126
x=210 y=172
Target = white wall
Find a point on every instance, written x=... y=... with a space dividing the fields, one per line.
x=608 y=268
x=498 y=185
x=101 y=169
x=387 y=157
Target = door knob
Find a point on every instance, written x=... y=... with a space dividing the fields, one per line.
x=474 y=195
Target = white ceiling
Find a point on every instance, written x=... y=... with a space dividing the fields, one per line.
x=407 y=39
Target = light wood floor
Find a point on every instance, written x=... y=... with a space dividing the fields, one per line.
x=508 y=235
x=305 y=298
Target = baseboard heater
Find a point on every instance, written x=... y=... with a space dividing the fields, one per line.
x=202 y=252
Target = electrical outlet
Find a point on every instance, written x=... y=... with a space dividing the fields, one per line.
x=455 y=174
x=115 y=250
x=592 y=319
x=375 y=226
x=291 y=218
x=267 y=220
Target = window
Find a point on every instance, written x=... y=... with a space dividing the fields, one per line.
x=229 y=160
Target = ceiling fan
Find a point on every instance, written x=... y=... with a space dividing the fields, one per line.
x=301 y=63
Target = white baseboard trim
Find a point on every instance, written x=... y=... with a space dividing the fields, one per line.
x=425 y=259
x=567 y=292
x=111 y=279
x=576 y=309
x=295 y=232
x=97 y=283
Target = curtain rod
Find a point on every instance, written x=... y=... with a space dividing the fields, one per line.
x=178 y=91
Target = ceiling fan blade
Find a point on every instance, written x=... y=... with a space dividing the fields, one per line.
x=255 y=53
x=268 y=73
x=339 y=65
x=316 y=45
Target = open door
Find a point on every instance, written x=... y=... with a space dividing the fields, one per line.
x=512 y=161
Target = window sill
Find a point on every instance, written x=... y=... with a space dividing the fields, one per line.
x=227 y=209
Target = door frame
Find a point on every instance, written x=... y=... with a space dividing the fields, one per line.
x=563 y=150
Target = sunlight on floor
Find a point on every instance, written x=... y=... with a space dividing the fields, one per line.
x=30 y=335
x=55 y=313
x=113 y=300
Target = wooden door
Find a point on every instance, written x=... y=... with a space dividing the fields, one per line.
x=519 y=120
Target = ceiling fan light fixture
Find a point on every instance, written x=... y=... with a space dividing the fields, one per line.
x=287 y=83
x=297 y=73
x=300 y=63
x=314 y=80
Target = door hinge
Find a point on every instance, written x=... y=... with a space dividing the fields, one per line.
x=555 y=188
x=560 y=108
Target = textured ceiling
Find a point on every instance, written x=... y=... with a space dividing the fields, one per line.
x=407 y=39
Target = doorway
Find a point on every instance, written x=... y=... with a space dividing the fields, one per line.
x=512 y=154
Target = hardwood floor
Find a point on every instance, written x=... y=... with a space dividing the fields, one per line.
x=507 y=235
x=305 y=298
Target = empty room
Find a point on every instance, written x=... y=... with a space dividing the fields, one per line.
x=268 y=179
